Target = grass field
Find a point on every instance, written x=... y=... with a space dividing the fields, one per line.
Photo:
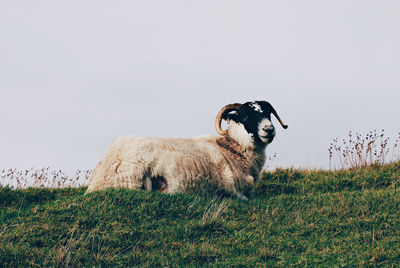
x=297 y=217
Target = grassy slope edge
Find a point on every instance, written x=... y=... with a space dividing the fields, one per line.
x=297 y=217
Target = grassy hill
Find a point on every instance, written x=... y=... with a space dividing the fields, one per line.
x=298 y=217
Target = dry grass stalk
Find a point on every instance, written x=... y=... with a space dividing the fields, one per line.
x=373 y=247
x=44 y=177
x=359 y=151
x=213 y=215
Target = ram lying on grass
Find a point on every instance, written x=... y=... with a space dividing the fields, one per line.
x=229 y=163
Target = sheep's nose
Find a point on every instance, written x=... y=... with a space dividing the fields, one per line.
x=269 y=129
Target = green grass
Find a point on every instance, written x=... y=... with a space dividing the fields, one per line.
x=297 y=217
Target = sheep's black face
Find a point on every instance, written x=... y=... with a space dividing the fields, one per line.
x=254 y=118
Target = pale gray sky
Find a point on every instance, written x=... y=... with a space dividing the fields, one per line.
x=74 y=75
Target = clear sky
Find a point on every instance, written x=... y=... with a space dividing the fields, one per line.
x=75 y=75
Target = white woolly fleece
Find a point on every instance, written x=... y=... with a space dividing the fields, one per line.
x=238 y=132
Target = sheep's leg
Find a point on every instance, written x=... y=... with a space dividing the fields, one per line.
x=249 y=180
x=240 y=195
x=237 y=187
x=148 y=185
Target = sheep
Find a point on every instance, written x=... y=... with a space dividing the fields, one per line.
x=228 y=163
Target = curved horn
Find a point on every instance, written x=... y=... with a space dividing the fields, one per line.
x=277 y=117
x=225 y=110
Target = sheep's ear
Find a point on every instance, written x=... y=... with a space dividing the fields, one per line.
x=231 y=116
